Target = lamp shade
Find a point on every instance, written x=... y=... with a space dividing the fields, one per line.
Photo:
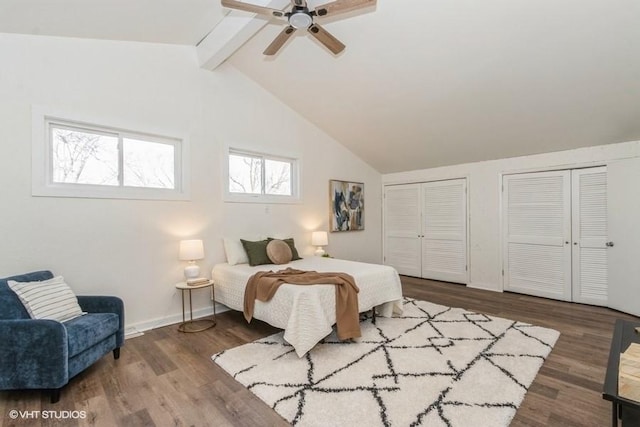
x=191 y=250
x=319 y=238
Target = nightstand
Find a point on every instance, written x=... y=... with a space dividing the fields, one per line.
x=198 y=324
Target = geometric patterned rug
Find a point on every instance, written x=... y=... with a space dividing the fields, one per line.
x=431 y=366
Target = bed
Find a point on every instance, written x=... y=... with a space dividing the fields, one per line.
x=307 y=313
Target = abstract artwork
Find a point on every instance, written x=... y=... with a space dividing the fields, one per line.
x=347 y=205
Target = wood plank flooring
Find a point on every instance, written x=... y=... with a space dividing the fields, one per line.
x=166 y=378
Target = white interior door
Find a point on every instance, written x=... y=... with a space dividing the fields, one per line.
x=623 y=201
x=444 y=230
x=402 y=228
x=589 y=232
x=537 y=234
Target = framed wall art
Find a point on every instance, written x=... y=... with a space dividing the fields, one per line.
x=346 y=205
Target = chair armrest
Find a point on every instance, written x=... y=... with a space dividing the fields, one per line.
x=105 y=304
x=34 y=354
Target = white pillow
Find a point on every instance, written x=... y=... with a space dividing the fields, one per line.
x=50 y=299
x=234 y=250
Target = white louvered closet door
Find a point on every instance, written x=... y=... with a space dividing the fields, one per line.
x=589 y=231
x=402 y=228
x=444 y=230
x=537 y=234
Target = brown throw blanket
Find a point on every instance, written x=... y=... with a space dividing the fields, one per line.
x=264 y=284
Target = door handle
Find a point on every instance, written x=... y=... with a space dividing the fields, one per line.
x=609 y=244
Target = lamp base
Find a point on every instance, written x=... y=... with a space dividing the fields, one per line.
x=319 y=251
x=192 y=271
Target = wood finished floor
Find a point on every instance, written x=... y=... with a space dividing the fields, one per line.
x=166 y=378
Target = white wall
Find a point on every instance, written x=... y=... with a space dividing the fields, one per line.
x=241 y=114
x=129 y=247
x=484 y=186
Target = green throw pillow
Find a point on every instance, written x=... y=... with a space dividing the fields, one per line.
x=291 y=243
x=256 y=252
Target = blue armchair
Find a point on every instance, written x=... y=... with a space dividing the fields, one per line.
x=45 y=354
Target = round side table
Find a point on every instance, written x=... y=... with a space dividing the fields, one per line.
x=197 y=325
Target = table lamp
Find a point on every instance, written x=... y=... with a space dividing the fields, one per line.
x=191 y=250
x=319 y=239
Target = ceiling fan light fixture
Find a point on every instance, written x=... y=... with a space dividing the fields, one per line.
x=300 y=20
x=300 y=17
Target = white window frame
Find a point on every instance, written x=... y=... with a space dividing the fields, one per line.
x=296 y=171
x=42 y=160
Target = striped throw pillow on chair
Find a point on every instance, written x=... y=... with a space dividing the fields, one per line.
x=49 y=299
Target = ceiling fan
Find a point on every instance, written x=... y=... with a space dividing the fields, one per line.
x=300 y=17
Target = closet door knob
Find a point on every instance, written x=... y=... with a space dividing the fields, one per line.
x=609 y=244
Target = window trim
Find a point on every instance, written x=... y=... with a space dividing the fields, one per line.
x=296 y=173
x=42 y=159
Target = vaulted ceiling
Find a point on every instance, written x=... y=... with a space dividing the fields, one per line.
x=155 y=21
x=422 y=83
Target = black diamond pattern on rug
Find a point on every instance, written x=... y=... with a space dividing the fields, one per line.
x=432 y=366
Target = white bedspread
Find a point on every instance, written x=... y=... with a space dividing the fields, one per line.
x=307 y=313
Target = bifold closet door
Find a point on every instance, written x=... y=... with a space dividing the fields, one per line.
x=589 y=232
x=402 y=228
x=444 y=230
x=537 y=234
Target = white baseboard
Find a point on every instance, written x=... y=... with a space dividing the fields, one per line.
x=137 y=329
x=484 y=287
x=132 y=332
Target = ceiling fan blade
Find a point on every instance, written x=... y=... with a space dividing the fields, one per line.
x=233 y=4
x=279 y=41
x=342 y=6
x=324 y=37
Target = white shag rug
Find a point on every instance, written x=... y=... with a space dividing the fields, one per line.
x=432 y=366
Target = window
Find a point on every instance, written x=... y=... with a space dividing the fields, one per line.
x=261 y=177
x=82 y=160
